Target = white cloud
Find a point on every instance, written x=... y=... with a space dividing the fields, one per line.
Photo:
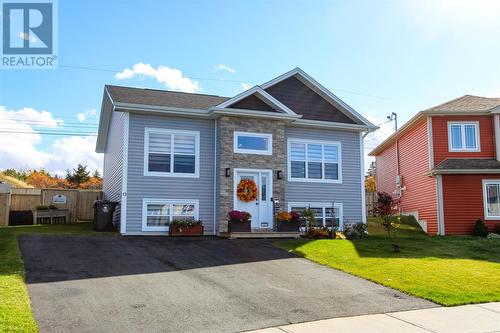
x=374 y=139
x=87 y=114
x=172 y=78
x=18 y=128
x=246 y=86
x=222 y=67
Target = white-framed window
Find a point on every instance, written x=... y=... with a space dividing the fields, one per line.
x=157 y=214
x=463 y=136
x=253 y=143
x=326 y=214
x=314 y=161
x=171 y=153
x=491 y=199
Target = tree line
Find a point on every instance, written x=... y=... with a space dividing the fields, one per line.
x=77 y=178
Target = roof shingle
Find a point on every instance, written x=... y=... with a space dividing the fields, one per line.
x=468 y=103
x=468 y=164
x=163 y=98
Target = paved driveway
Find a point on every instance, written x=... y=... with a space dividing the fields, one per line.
x=153 y=284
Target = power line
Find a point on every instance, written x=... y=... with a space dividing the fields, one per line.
x=49 y=133
x=226 y=80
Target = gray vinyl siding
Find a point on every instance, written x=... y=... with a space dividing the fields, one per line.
x=349 y=191
x=153 y=187
x=113 y=162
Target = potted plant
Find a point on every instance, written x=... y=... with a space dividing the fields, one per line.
x=288 y=221
x=239 y=221
x=186 y=227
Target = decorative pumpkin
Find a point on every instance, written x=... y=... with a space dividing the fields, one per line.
x=247 y=190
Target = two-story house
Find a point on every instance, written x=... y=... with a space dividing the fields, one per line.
x=172 y=154
x=444 y=165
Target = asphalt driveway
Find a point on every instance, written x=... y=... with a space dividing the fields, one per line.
x=159 y=284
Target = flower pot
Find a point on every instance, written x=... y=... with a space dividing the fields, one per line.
x=288 y=226
x=238 y=226
x=195 y=230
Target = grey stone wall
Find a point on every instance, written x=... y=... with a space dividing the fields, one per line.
x=228 y=159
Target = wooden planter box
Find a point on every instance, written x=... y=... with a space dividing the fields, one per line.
x=196 y=230
x=239 y=226
x=50 y=216
x=288 y=226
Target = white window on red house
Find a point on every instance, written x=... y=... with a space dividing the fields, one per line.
x=491 y=197
x=463 y=136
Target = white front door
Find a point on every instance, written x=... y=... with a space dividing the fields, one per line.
x=261 y=208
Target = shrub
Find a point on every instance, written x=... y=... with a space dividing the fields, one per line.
x=318 y=233
x=238 y=216
x=296 y=218
x=480 y=229
x=497 y=228
x=53 y=207
x=308 y=215
x=493 y=235
x=42 y=207
x=351 y=233
x=283 y=217
x=361 y=228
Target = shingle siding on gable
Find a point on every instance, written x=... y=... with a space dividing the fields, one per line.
x=252 y=102
x=302 y=100
x=140 y=186
x=349 y=192
x=113 y=161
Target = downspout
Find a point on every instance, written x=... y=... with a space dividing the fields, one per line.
x=496 y=118
x=215 y=177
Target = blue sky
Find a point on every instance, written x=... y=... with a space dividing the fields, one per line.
x=378 y=56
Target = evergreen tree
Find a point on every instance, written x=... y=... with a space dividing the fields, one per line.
x=78 y=176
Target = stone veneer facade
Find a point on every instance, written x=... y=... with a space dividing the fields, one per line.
x=226 y=127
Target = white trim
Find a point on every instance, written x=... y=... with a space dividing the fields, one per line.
x=171 y=132
x=485 y=197
x=262 y=95
x=462 y=133
x=323 y=205
x=215 y=177
x=268 y=151
x=147 y=201
x=331 y=124
x=269 y=172
x=321 y=90
x=312 y=180
x=430 y=143
x=440 y=205
x=363 y=190
x=104 y=119
x=463 y=171
x=123 y=201
x=217 y=111
x=496 y=119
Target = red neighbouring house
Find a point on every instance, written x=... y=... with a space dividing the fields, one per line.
x=444 y=165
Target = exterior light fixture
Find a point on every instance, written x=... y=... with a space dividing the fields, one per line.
x=279 y=174
x=228 y=172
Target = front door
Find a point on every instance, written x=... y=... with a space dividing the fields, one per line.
x=261 y=208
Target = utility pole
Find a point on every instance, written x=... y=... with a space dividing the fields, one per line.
x=394 y=117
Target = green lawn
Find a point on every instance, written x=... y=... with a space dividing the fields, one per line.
x=447 y=270
x=15 y=310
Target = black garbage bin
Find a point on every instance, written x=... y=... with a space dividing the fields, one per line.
x=103 y=215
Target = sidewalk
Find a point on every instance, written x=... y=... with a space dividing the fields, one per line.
x=467 y=318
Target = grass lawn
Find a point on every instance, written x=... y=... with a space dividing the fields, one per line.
x=450 y=270
x=15 y=310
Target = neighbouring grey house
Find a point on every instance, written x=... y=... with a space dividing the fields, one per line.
x=172 y=154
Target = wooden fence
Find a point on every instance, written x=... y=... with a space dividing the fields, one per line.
x=79 y=203
x=370 y=201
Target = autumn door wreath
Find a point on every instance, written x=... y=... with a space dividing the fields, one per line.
x=247 y=190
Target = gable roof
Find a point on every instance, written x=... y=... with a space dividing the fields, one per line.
x=164 y=98
x=465 y=105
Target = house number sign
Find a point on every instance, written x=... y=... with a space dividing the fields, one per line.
x=59 y=198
